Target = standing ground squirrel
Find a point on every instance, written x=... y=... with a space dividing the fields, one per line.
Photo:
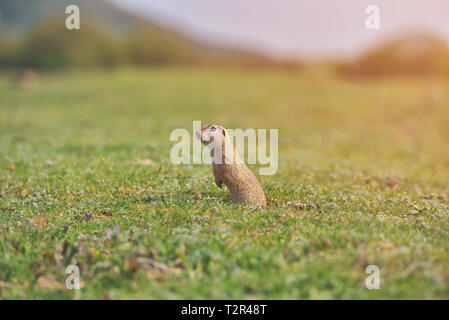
x=229 y=168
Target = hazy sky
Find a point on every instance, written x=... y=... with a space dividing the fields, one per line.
x=308 y=28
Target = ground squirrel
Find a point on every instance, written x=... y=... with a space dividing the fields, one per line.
x=229 y=168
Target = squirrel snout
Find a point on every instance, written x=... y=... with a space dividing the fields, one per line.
x=204 y=138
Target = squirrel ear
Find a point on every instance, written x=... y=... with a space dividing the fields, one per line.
x=224 y=132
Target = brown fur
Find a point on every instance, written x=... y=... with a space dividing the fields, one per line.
x=241 y=182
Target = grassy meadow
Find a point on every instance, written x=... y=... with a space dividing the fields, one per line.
x=86 y=179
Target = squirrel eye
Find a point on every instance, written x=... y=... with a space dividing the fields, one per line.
x=213 y=129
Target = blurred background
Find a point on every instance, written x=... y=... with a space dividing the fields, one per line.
x=412 y=38
x=85 y=121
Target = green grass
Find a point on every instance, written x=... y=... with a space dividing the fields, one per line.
x=81 y=153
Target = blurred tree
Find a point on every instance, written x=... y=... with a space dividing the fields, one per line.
x=6 y=51
x=413 y=54
x=51 y=45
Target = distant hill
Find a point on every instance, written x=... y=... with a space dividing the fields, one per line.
x=411 y=54
x=103 y=27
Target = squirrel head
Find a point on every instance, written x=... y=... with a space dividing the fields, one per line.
x=211 y=134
